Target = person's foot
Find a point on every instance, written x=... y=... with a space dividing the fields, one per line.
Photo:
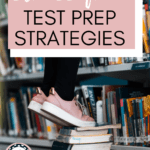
x=36 y=105
x=70 y=112
x=40 y=96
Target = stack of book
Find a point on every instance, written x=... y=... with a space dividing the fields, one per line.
x=72 y=138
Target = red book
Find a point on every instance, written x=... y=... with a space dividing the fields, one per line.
x=38 y=124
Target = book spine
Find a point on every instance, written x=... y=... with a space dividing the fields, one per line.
x=88 y=62
x=84 y=64
x=38 y=126
x=102 y=61
x=108 y=115
x=104 y=105
x=99 y=109
x=109 y=110
x=21 y=114
x=40 y=64
x=96 y=62
x=29 y=62
x=28 y=119
x=135 y=118
x=86 y=97
x=92 y=101
x=123 y=120
x=13 y=118
x=106 y=61
x=51 y=130
x=141 y=118
x=129 y=122
x=114 y=121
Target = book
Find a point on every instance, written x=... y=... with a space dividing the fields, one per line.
x=84 y=139
x=51 y=130
x=65 y=146
x=74 y=132
x=92 y=101
x=95 y=61
x=99 y=112
x=23 y=94
x=40 y=64
x=86 y=97
x=124 y=127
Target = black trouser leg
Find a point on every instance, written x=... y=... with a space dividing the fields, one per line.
x=66 y=77
x=50 y=73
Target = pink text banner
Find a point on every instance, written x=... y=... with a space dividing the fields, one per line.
x=71 y=24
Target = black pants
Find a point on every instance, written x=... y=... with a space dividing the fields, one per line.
x=61 y=74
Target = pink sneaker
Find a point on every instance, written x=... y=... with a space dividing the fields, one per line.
x=69 y=112
x=36 y=104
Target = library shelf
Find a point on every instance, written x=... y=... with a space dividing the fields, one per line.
x=4 y=23
x=121 y=147
x=42 y=144
x=137 y=72
x=29 y=141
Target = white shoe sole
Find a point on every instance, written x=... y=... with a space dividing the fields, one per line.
x=53 y=110
x=36 y=107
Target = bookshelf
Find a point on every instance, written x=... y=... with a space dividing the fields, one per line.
x=137 y=72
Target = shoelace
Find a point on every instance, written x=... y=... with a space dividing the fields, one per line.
x=82 y=107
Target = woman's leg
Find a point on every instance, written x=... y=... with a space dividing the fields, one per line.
x=66 y=77
x=50 y=73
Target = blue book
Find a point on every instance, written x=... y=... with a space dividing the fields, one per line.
x=92 y=101
x=40 y=64
x=12 y=114
x=95 y=62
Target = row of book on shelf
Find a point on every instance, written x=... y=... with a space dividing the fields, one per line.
x=107 y=104
x=36 y=64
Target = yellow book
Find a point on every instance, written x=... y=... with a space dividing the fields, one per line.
x=145 y=38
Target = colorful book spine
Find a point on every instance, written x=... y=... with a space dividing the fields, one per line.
x=92 y=101
x=141 y=118
x=40 y=64
x=123 y=118
x=86 y=97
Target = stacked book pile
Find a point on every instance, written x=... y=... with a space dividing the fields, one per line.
x=85 y=138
